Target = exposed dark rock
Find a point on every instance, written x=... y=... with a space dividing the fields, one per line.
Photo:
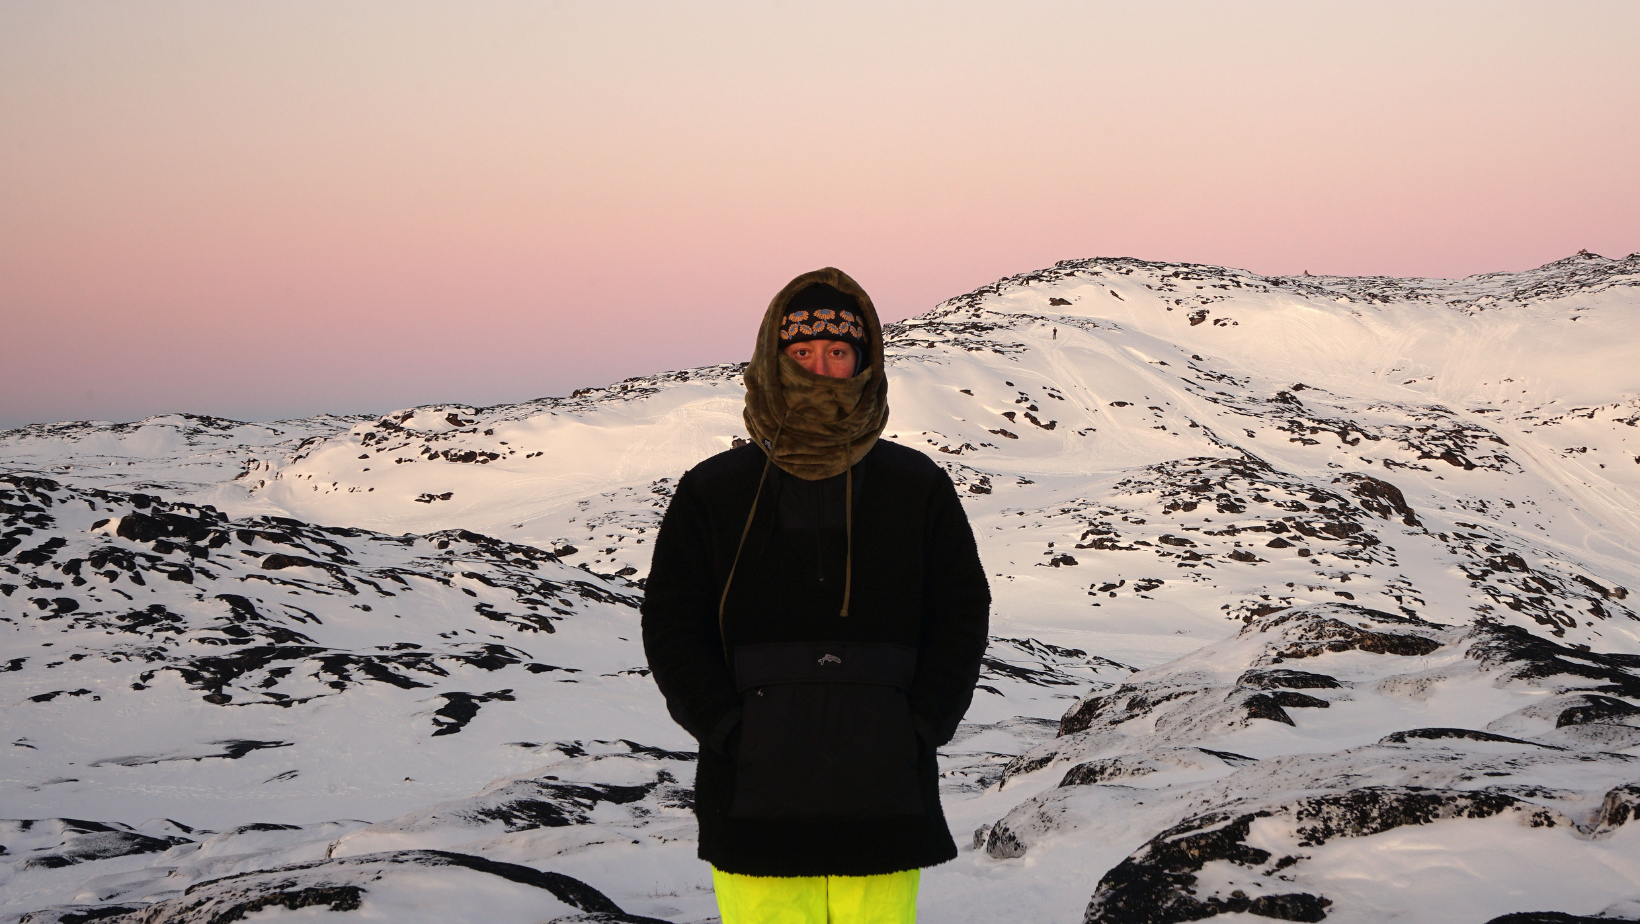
x=1282 y=678
x=468 y=455
x=1153 y=886
x=1380 y=497
x=1611 y=593
x=341 y=884
x=1293 y=906
x=460 y=708
x=326 y=884
x=1264 y=706
x=1595 y=708
x=1550 y=917
x=1527 y=657
x=1023 y=764
x=1128 y=766
x=48 y=697
x=258 y=826
x=1093 y=771
x=649 y=750
x=77 y=914
x=1036 y=676
x=279 y=561
x=1003 y=844
x=1157 y=884
x=83 y=841
x=547 y=802
x=1375 y=809
x=556 y=805
x=139 y=527
x=60 y=606
x=1309 y=635
x=241 y=607
x=1229 y=757
x=232 y=749
x=604 y=917
x=1290 y=700
x=1621 y=806
x=1436 y=734
x=41 y=553
x=1124 y=703
x=334 y=898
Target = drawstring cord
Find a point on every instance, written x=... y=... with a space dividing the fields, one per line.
x=848 y=528
x=723 y=601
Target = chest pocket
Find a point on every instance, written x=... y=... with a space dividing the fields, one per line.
x=826 y=732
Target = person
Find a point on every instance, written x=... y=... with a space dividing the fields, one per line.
x=814 y=615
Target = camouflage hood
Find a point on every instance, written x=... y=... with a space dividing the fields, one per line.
x=824 y=425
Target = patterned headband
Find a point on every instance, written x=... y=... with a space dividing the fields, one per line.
x=823 y=324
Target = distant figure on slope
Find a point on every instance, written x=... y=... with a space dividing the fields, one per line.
x=815 y=616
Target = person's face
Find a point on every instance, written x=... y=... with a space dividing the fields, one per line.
x=825 y=357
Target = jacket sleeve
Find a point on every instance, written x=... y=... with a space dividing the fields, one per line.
x=680 y=630
x=955 y=620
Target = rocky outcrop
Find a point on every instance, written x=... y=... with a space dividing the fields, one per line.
x=1158 y=884
x=51 y=843
x=1253 y=835
x=367 y=884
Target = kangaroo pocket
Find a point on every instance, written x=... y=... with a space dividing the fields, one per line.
x=826 y=731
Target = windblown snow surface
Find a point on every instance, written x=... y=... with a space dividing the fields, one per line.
x=1312 y=603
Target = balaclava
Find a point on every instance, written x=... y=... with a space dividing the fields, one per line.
x=824 y=425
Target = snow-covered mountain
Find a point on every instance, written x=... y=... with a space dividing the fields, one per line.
x=1312 y=602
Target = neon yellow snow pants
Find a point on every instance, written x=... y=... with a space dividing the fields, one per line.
x=890 y=898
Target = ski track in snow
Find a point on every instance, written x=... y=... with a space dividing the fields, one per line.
x=1312 y=602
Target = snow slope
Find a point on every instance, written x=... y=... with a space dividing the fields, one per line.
x=1369 y=540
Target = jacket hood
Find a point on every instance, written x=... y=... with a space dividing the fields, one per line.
x=815 y=426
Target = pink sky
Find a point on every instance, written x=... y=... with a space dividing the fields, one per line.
x=273 y=210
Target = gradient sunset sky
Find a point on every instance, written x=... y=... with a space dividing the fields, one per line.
x=274 y=209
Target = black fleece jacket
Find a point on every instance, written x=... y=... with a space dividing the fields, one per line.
x=917 y=583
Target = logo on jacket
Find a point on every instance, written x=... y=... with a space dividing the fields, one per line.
x=830 y=659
